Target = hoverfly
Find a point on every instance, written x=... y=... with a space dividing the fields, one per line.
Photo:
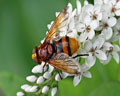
x=58 y=51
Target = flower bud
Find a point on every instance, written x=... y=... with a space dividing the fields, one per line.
x=47 y=75
x=24 y=86
x=45 y=89
x=27 y=89
x=65 y=75
x=37 y=69
x=20 y=94
x=40 y=80
x=50 y=70
x=54 y=91
x=33 y=89
x=31 y=78
x=57 y=77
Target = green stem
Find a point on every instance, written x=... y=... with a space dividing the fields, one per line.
x=47 y=82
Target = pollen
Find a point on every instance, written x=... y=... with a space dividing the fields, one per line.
x=34 y=55
x=110 y=49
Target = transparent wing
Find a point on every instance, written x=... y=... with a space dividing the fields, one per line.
x=58 y=23
x=65 y=63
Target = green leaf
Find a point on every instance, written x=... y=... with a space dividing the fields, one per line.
x=107 y=89
x=10 y=83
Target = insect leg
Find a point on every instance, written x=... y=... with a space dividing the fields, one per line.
x=44 y=66
x=79 y=55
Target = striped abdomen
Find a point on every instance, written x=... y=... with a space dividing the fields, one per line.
x=67 y=45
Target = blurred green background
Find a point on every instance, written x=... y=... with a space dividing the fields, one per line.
x=23 y=23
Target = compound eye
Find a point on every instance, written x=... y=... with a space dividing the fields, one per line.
x=43 y=53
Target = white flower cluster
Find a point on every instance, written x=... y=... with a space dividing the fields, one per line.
x=41 y=84
x=97 y=27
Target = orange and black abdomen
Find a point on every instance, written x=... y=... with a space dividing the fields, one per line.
x=67 y=45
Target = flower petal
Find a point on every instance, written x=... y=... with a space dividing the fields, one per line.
x=117 y=12
x=112 y=21
x=106 y=61
x=86 y=20
x=94 y=24
x=117 y=5
x=78 y=6
x=100 y=16
x=80 y=27
x=107 y=33
x=83 y=37
x=69 y=10
x=87 y=74
x=116 y=56
x=100 y=54
x=107 y=46
x=76 y=80
x=116 y=48
x=98 y=43
x=91 y=34
x=88 y=45
x=90 y=61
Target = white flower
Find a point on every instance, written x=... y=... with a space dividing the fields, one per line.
x=20 y=94
x=31 y=78
x=112 y=50
x=33 y=89
x=106 y=26
x=84 y=72
x=87 y=31
x=40 y=80
x=116 y=34
x=45 y=89
x=47 y=75
x=114 y=7
x=95 y=50
x=93 y=14
x=54 y=91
